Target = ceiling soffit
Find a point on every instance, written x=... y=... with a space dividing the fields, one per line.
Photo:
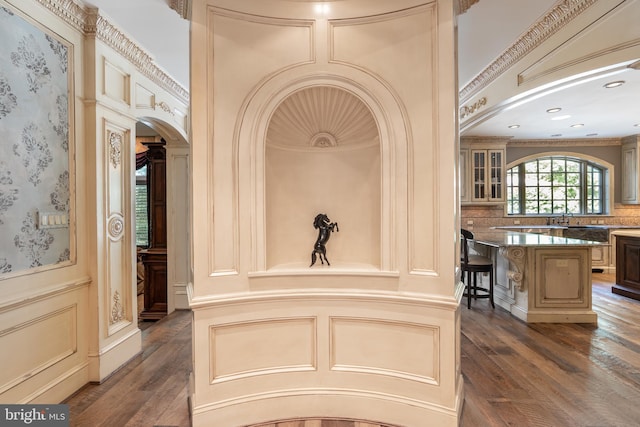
x=559 y=16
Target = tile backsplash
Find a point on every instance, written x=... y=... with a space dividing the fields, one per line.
x=484 y=217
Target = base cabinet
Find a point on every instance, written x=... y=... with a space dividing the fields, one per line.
x=627 y=267
x=547 y=284
x=155 y=284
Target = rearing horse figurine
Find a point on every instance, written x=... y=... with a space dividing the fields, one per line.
x=325 y=227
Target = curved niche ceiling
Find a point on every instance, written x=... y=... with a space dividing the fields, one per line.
x=320 y=118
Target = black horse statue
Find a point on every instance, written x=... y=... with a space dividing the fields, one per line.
x=324 y=227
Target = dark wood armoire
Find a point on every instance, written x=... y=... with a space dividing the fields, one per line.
x=154 y=258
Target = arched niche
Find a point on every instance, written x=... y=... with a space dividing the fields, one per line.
x=323 y=155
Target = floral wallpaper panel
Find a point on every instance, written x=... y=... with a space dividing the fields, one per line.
x=34 y=145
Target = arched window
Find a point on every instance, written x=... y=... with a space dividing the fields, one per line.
x=556 y=185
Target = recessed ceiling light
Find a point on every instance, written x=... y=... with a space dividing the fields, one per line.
x=577 y=125
x=566 y=116
x=554 y=110
x=637 y=125
x=556 y=135
x=514 y=126
x=592 y=134
x=614 y=84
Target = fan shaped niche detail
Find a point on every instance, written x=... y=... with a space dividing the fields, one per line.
x=322 y=154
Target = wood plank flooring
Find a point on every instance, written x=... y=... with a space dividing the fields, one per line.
x=516 y=374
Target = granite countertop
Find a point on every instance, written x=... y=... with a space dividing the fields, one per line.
x=562 y=227
x=499 y=238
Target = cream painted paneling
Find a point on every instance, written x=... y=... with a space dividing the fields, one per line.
x=262 y=347
x=145 y=99
x=117 y=83
x=60 y=329
x=178 y=225
x=343 y=184
x=64 y=331
x=46 y=345
x=383 y=347
x=391 y=285
x=44 y=331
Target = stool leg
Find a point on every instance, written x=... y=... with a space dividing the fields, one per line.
x=491 y=288
x=475 y=285
x=468 y=289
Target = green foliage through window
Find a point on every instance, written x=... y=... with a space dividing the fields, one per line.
x=555 y=185
x=142 y=210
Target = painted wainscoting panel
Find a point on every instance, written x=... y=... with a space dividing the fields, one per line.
x=44 y=345
x=60 y=329
x=36 y=146
x=385 y=348
x=262 y=347
x=342 y=355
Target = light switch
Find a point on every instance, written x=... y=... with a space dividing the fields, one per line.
x=52 y=220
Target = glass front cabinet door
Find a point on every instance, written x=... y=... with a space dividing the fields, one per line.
x=487 y=175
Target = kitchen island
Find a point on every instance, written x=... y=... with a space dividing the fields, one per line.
x=540 y=278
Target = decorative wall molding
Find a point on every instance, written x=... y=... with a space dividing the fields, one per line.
x=182 y=7
x=91 y=23
x=115 y=148
x=165 y=107
x=557 y=18
x=604 y=142
x=117 y=309
x=116 y=226
x=69 y=11
x=464 y=5
x=467 y=110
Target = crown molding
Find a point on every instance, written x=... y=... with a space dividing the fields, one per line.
x=182 y=7
x=559 y=16
x=464 y=5
x=91 y=23
x=603 y=142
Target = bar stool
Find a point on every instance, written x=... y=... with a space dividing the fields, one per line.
x=471 y=265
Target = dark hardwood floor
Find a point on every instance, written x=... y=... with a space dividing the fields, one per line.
x=516 y=374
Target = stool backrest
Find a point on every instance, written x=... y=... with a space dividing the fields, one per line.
x=466 y=236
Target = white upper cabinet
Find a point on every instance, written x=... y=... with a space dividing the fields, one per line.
x=630 y=176
x=482 y=173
